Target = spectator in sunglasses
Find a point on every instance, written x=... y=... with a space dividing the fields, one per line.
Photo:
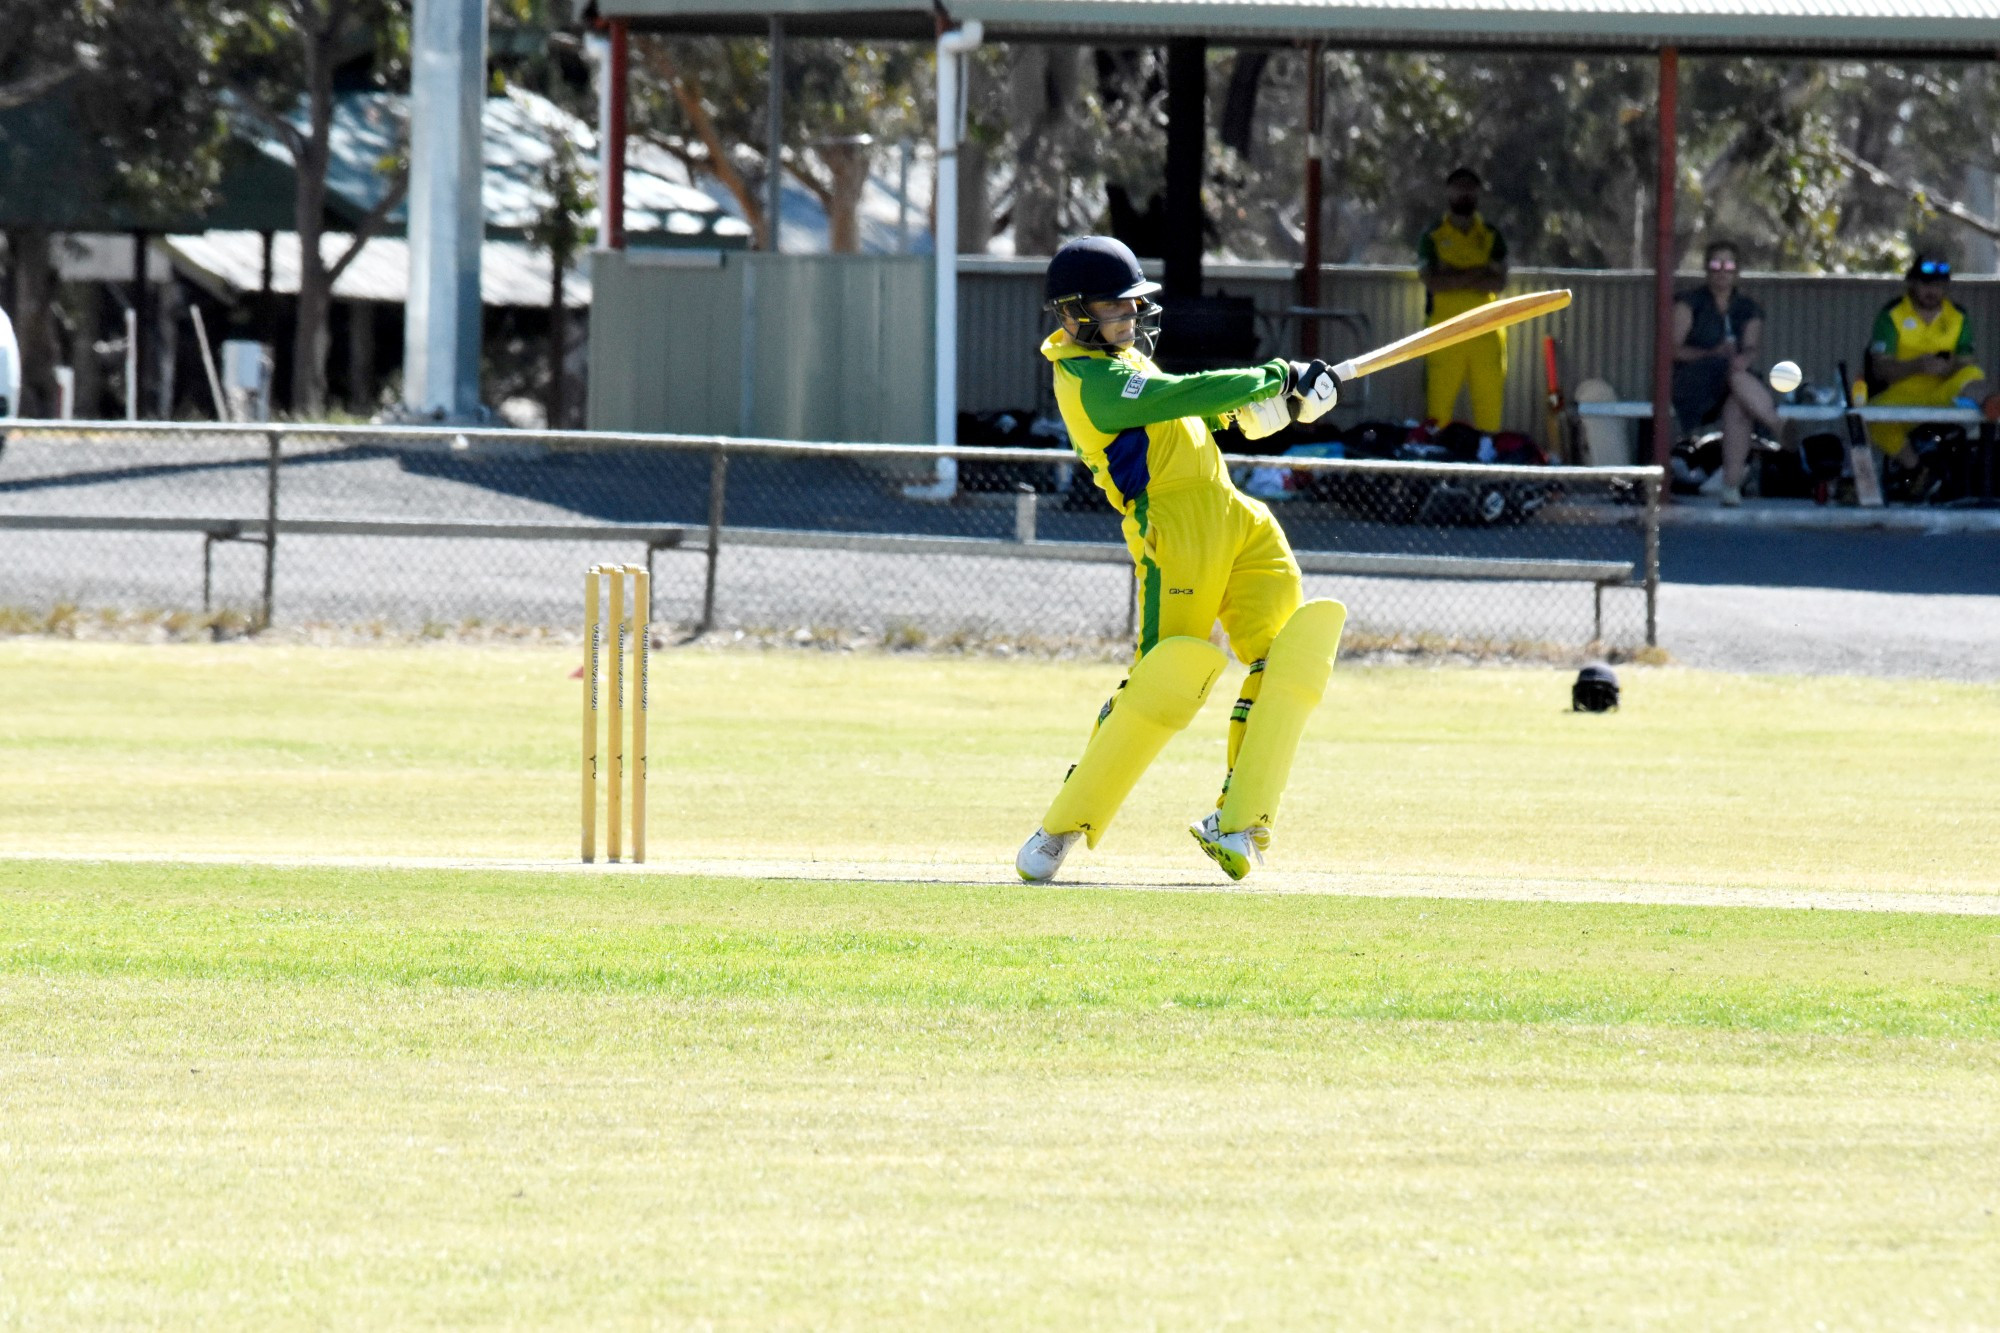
x=1717 y=333
x=1919 y=355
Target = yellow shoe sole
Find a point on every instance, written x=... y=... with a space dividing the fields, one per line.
x=1234 y=864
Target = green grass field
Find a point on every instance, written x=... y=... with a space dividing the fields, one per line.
x=379 y=1094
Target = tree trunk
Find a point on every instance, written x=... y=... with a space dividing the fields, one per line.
x=34 y=322
x=309 y=332
x=847 y=163
x=975 y=205
x=1045 y=85
x=687 y=92
x=558 y=338
x=86 y=327
x=310 y=338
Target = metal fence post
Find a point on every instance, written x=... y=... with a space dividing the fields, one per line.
x=1653 y=484
x=652 y=549
x=270 y=529
x=718 y=490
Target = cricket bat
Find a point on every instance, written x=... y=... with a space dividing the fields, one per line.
x=1552 y=377
x=1860 y=453
x=1493 y=315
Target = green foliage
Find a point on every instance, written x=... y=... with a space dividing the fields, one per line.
x=135 y=74
x=705 y=99
x=1568 y=145
x=561 y=227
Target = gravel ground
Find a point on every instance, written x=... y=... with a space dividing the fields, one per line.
x=1831 y=631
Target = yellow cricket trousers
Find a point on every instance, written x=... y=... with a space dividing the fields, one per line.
x=1479 y=364
x=1915 y=391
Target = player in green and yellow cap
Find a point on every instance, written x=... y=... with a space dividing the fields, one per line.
x=1201 y=550
x=1921 y=350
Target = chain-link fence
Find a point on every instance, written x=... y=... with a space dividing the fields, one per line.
x=418 y=527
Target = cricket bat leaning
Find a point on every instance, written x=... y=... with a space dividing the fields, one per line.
x=1552 y=380
x=1493 y=315
x=1860 y=453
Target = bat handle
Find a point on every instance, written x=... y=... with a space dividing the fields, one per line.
x=1846 y=386
x=1344 y=371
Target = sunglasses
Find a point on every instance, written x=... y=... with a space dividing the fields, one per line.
x=1936 y=269
x=1721 y=266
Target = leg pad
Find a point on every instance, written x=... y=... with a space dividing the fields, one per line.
x=1161 y=696
x=1295 y=676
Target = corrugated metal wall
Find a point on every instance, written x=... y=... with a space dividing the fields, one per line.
x=842 y=345
x=839 y=348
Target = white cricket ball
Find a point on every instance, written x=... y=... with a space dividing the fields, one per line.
x=1786 y=376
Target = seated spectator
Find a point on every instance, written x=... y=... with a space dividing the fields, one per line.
x=1919 y=355
x=1717 y=331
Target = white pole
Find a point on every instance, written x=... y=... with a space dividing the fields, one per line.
x=131 y=364
x=597 y=48
x=953 y=46
x=446 y=213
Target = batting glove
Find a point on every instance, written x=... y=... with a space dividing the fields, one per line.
x=1315 y=387
x=1266 y=416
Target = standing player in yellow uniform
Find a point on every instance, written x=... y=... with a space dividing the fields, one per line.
x=1921 y=349
x=1463 y=264
x=1202 y=551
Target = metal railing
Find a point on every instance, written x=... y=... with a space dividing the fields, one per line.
x=437 y=525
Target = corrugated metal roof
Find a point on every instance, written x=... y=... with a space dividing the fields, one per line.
x=511 y=273
x=1968 y=25
x=516 y=133
x=1962 y=27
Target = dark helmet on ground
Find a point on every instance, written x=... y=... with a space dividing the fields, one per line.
x=1595 y=691
x=1102 y=268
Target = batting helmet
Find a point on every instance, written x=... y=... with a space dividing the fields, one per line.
x=1595 y=691
x=1102 y=268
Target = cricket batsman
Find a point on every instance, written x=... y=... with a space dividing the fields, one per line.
x=1201 y=550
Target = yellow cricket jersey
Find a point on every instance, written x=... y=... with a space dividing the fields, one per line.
x=1445 y=246
x=1137 y=428
x=1902 y=333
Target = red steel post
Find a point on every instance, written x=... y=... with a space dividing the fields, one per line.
x=614 y=183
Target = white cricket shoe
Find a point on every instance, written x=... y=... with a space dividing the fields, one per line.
x=1236 y=852
x=1042 y=855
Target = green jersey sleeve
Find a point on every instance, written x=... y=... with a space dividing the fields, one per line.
x=1427 y=253
x=1499 y=255
x=1964 y=347
x=1883 y=339
x=1118 y=396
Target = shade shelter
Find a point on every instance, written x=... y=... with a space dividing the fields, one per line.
x=1662 y=29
